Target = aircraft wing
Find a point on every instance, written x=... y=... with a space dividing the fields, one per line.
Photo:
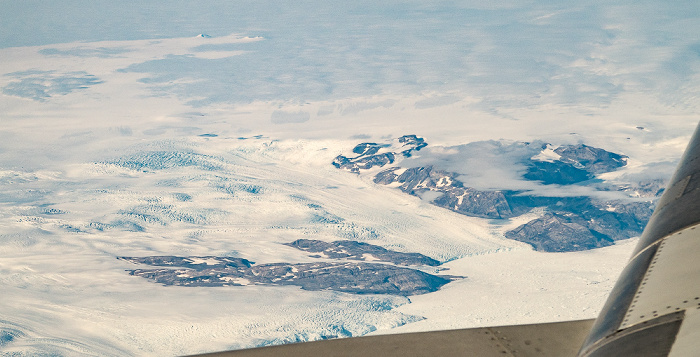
x=553 y=339
x=653 y=310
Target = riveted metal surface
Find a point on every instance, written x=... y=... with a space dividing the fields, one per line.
x=621 y=297
x=543 y=340
x=679 y=205
x=653 y=338
x=686 y=344
x=673 y=193
x=678 y=209
x=672 y=280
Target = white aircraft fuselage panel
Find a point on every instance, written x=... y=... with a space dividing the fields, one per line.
x=688 y=336
x=671 y=281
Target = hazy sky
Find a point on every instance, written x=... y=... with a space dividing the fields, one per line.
x=120 y=110
x=514 y=54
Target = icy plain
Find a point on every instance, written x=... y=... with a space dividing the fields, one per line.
x=124 y=132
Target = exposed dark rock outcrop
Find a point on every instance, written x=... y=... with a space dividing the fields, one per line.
x=576 y=163
x=647 y=188
x=555 y=173
x=591 y=226
x=454 y=196
x=348 y=249
x=411 y=143
x=559 y=232
x=196 y=263
x=590 y=159
x=350 y=277
x=371 y=155
x=588 y=223
x=570 y=223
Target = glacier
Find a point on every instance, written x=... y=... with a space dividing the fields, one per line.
x=125 y=133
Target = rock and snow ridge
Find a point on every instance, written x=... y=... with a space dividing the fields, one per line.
x=569 y=224
x=345 y=276
x=371 y=154
x=352 y=250
x=571 y=164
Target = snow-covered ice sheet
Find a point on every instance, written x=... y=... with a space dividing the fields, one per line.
x=520 y=287
x=123 y=132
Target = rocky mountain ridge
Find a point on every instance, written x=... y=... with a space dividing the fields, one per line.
x=569 y=224
x=343 y=272
x=348 y=249
x=372 y=154
x=569 y=164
